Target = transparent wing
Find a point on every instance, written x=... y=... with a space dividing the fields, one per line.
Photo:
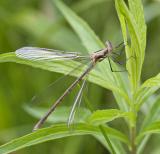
x=35 y=53
x=76 y=104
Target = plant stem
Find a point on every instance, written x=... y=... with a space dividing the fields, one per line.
x=133 y=136
x=107 y=139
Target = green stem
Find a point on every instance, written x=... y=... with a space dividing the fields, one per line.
x=133 y=136
x=107 y=139
x=133 y=130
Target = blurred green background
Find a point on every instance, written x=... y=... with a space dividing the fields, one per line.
x=39 y=23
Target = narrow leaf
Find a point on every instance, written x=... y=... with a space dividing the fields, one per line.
x=153 y=115
x=136 y=9
x=87 y=36
x=154 y=81
x=136 y=50
x=65 y=67
x=54 y=132
x=104 y=116
x=151 y=129
x=147 y=89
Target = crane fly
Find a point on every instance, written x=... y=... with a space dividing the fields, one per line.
x=37 y=54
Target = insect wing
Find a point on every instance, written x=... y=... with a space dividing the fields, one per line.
x=35 y=53
x=76 y=104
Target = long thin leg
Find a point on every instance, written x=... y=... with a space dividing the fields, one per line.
x=112 y=68
x=67 y=91
x=118 y=54
x=119 y=45
x=121 y=63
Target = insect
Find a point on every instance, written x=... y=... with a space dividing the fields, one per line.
x=36 y=54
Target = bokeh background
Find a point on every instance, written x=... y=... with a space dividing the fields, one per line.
x=39 y=23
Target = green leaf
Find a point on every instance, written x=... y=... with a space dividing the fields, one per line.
x=147 y=89
x=154 y=81
x=104 y=116
x=56 y=66
x=151 y=112
x=87 y=36
x=137 y=32
x=55 y=132
x=152 y=115
x=136 y=9
x=65 y=67
x=142 y=144
x=152 y=128
x=118 y=147
x=61 y=114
